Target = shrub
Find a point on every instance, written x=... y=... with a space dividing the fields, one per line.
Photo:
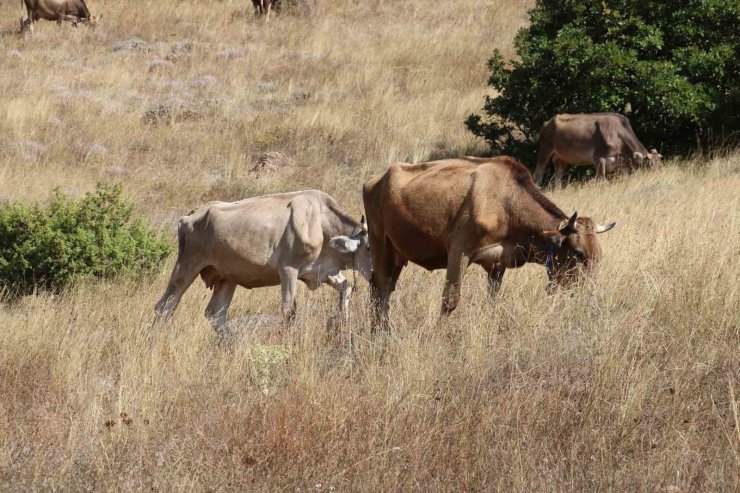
x=48 y=247
x=671 y=66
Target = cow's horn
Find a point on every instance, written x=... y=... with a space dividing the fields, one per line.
x=638 y=155
x=569 y=227
x=603 y=228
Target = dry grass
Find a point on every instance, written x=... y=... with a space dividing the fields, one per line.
x=630 y=384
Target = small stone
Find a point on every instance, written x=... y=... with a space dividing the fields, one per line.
x=271 y=161
x=118 y=170
x=158 y=64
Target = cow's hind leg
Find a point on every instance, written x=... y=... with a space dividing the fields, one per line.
x=600 y=165
x=543 y=159
x=457 y=264
x=223 y=293
x=180 y=280
x=288 y=286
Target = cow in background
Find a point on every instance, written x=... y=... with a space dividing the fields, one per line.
x=73 y=11
x=604 y=140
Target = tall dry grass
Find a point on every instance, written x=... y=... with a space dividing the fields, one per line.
x=630 y=383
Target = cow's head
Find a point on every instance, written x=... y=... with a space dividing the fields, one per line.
x=651 y=159
x=356 y=244
x=573 y=248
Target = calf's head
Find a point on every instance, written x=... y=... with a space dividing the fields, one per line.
x=573 y=248
x=358 y=246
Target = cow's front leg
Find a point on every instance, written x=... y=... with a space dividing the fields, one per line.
x=457 y=264
x=495 y=278
x=288 y=286
x=340 y=283
x=600 y=165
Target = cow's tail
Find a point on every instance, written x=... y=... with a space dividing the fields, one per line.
x=180 y=239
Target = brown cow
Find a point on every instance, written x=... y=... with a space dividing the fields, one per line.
x=73 y=11
x=454 y=212
x=604 y=140
x=263 y=7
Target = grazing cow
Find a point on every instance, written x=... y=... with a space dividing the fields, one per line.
x=454 y=212
x=263 y=7
x=266 y=241
x=73 y=11
x=605 y=140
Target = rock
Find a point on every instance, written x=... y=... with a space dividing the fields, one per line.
x=118 y=171
x=169 y=111
x=230 y=53
x=179 y=50
x=130 y=44
x=270 y=162
x=97 y=150
x=158 y=64
x=266 y=87
x=30 y=150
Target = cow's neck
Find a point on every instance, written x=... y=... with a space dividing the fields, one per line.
x=541 y=215
x=633 y=145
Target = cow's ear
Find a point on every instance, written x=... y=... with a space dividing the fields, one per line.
x=638 y=155
x=344 y=244
x=554 y=236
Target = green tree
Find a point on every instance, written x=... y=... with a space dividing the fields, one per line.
x=673 y=67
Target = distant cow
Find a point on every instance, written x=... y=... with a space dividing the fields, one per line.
x=604 y=140
x=267 y=241
x=73 y=11
x=263 y=7
x=452 y=213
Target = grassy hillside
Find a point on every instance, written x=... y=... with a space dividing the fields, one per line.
x=630 y=383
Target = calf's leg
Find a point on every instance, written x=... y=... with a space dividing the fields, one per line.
x=340 y=283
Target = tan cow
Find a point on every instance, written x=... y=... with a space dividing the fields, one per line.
x=73 y=11
x=604 y=140
x=451 y=213
x=266 y=241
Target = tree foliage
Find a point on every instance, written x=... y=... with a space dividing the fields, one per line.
x=673 y=67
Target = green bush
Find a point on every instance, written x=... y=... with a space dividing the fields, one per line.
x=48 y=247
x=672 y=66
